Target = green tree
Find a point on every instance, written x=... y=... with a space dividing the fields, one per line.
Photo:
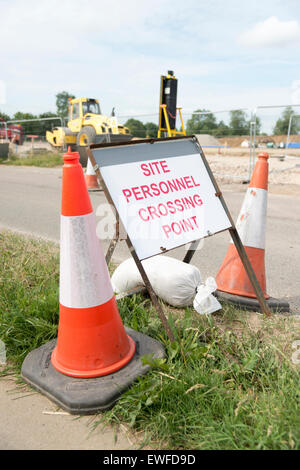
x=32 y=127
x=257 y=127
x=36 y=127
x=222 y=130
x=201 y=123
x=62 y=100
x=4 y=116
x=48 y=125
x=136 y=127
x=282 y=123
x=238 y=122
x=151 y=129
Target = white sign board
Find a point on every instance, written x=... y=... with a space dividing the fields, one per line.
x=164 y=202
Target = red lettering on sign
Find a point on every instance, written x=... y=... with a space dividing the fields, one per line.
x=178 y=204
x=162 y=209
x=194 y=219
x=155 y=189
x=195 y=184
x=162 y=187
x=147 y=216
x=127 y=193
x=152 y=212
x=153 y=168
x=184 y=225
x=167 y=230
x=145 y=169
x=188 y=182
x=146 y=191
x=164 y=166
x=136 y=192
x=172 y=209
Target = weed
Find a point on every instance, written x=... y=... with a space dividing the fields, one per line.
x=29 y=294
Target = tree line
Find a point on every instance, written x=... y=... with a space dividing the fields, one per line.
x=40 y=127
x=239 y=124
x=202 y=121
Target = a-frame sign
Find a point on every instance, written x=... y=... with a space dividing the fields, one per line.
x=165 y=195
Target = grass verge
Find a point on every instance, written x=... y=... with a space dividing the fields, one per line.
x=228 y=381
x=45 y=159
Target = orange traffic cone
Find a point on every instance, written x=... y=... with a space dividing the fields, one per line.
x=232 y=280
x=94 y=358
x=89 y=316
x=91 y=178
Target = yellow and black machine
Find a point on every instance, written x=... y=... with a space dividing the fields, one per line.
x=86 y=125
x=168 y=107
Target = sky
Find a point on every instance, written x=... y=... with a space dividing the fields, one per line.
x=226 y=55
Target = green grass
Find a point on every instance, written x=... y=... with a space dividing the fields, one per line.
x=45 y=159
x=227 y=382
x=28 y=294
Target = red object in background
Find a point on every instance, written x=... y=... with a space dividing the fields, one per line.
x=13 y=132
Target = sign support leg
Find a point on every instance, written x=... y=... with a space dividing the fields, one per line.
x=113 y=242
x=191 y=251
x=150 y=290
x=249 y=270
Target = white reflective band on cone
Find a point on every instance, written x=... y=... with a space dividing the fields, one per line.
x=251 y=223
x=89 y=168
x=84 y=278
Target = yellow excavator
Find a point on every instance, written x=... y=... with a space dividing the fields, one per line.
x=86 y=125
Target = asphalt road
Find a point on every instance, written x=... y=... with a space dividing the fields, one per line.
x=30 y=203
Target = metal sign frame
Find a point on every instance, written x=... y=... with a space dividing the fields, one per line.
x=193 y=245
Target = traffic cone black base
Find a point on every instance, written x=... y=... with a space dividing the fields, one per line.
x=87 y=395
x=249 y=303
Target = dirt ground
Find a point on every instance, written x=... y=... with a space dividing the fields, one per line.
x=27 y=148
x=231 y=167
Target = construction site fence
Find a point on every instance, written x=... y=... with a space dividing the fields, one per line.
x=250 y=130
x=35 y=126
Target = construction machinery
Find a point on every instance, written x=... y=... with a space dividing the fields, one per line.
x=86 y=125
x=168 y=107
x=12 y=132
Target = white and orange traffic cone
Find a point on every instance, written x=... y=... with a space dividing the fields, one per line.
x=91 y=177
x=88 y=313
x=232 y=280
x=94 y=358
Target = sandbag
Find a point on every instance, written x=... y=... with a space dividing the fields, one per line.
x=172 y=280
x=204 y=302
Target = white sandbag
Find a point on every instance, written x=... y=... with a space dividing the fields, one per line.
x=204 y=301
x=126 y=277
x=172 y=280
